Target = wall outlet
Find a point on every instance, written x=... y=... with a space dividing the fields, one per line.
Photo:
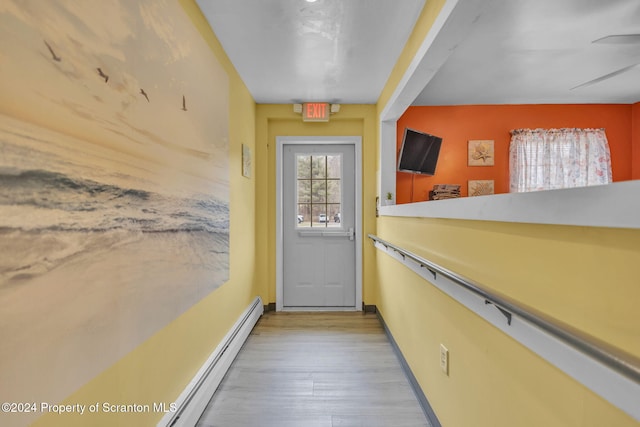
x=444 y=359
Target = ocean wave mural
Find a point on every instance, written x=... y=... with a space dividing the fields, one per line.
x=114 y=185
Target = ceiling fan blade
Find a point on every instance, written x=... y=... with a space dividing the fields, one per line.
x=619 y=39
x=606 y=76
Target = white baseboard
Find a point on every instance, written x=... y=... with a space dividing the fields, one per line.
x=194 y=399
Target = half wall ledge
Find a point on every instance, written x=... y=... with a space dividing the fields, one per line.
x=615 y=205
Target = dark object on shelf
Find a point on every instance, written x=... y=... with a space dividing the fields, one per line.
x=444 y=191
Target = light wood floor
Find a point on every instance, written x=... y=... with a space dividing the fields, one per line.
x=315 y=369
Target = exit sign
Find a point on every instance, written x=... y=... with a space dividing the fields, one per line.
x=315 y=112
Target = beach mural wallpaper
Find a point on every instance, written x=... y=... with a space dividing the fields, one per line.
x=114 y=186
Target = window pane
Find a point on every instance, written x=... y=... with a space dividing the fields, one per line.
x=304 y=214
x=304 y=191
x=304 y=166
x=319 y=216
x=334 y=169
x=333 y=191
x=318 y=191
x=318 y=166
x=334 y=215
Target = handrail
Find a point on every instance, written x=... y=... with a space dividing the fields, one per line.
x=612 y=357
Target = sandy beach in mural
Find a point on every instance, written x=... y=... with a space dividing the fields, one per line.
x=91 y=268
x=114 y=187
x=85 y=315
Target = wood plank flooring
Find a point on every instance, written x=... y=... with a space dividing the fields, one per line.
x=315 y=370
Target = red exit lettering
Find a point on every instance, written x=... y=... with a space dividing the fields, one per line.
x=316 y=112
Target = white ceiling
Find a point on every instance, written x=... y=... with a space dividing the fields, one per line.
x=288 y=51
x=487 y=52
x=540 y=51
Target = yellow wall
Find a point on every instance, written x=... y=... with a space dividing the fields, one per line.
x=159 y=369
x=583 y=276
x=280 y=120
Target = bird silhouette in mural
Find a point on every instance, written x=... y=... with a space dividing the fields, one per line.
x=184 y=104
x=143 y=93
x=53 y=54
x=103 y=75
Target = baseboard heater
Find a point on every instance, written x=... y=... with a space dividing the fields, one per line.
x=194 y=399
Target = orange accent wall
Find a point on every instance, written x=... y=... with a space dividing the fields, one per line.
x=635 y=138
x=459 y=124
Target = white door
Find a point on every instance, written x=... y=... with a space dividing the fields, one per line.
x=318 y=223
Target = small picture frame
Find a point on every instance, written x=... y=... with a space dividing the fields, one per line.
x=481 y=187
x=481 y=152
x=246 y=161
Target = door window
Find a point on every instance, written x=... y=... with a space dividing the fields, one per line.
x=319 y=190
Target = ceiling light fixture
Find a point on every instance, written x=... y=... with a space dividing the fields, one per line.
x=311 y=1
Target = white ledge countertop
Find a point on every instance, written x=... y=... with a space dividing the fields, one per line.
x=615 y=205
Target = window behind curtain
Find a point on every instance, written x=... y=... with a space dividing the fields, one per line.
x=547 y=159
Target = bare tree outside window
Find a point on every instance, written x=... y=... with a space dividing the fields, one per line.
x=319 y=190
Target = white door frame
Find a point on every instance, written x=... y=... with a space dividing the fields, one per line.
x=281 y=141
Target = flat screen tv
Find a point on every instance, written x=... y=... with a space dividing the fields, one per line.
x=419 y=152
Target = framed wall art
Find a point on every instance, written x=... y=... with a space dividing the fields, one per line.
x=246 y=161
x=481 y=152
x=481 y=187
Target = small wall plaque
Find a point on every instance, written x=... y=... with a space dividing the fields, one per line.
x=481 y=152
x=246 y=161
x=481 y=187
